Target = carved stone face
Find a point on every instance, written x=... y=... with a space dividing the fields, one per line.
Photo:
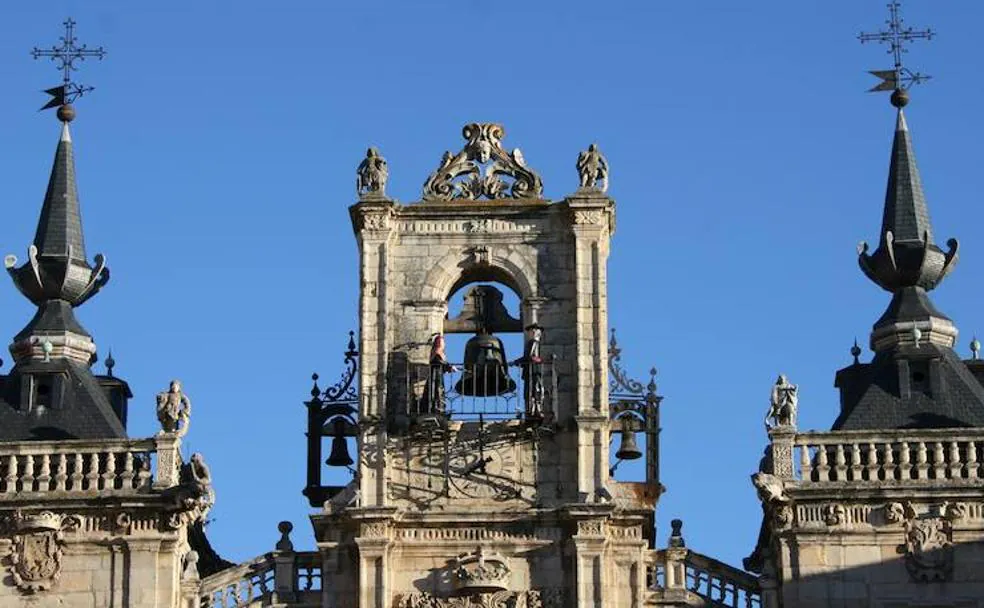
x=483 y=152
x=175 y=386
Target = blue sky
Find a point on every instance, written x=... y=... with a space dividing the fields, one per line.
x=216 y=162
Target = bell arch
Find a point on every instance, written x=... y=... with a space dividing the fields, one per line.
x=459 y=268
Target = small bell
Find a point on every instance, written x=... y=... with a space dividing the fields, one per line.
x=628 y=449
x=485 y=373
x=339 y=456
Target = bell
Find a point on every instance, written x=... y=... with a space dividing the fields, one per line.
x=628 y=449
x=339 y=456
x=485 y=373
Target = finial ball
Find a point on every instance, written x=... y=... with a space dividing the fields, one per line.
x=285 y=527
x=900 y=98
x=66 y=113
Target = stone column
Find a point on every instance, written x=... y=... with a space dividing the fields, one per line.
x=374 y=545
x=591 y=215
x=144 y=575
x=372 y=221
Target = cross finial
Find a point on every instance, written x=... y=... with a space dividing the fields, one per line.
x=65 y=57
x=900 y=78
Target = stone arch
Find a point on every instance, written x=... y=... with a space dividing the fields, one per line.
x=458 y=268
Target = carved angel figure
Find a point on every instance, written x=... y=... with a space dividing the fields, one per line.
x=592 y=166
x=782 y=404
x=372 y=174
x=174 y=410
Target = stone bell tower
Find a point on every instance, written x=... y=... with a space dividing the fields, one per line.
x=484 y=479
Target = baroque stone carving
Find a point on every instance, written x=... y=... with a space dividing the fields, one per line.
x=835 y=515
x=35 y=561
x=479 y=168
x=783 y=402
x=928 y=540
x=375 y=221
x=480 y=572
x=585 y=217
x=535 y=598
x=174 y=410
x=371 y=175
x=591 y=527
x=771 y=491
x=194 y=495
x=592 y=167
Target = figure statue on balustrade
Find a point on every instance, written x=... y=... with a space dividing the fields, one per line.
x=783 y=403
x=372 y=174
x=174 y=410
x=532 y=369
x=432 y=401
x=592 y=167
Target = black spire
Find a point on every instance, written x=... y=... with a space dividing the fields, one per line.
x=906 y=255
x=56 y=268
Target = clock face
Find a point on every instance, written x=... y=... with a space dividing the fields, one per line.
x=483 y=471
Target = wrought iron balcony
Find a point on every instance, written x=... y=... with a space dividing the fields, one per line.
x=467 y=392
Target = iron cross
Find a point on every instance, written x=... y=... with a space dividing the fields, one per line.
x=896 y=37
x=66 y=55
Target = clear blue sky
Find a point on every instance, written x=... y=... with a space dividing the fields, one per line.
x=216 y=163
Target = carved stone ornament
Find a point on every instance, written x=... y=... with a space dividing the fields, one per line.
x=375 y=221
x=771 y=491
x=194 y=495
x=174 y=410
x=928 y=541
x=834 y=515
x=587 y=217
x=371 y=175
x=591 y=527
x=479 y=169
x=535 y=598
x=783 y=403
x=592 y=168
x=38 y=544
x=480 y=572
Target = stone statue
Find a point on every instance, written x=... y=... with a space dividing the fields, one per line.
x=174 y=410
x=782 y=404
x=372 y=174
x=593 y=169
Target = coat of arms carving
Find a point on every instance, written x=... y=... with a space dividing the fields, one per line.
x=36 y=558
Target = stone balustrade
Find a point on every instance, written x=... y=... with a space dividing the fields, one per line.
x=915 y=456
x=677 y=574
x=87 y=467
x=256 y=582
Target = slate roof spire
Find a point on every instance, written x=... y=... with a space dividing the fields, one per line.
x=906 y=255
x=57 y=268
x=915 y=379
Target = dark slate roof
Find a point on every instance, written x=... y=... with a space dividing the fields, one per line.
x=905 y=212
x=60 y=225
x=909 y=304
x=53 y=316
x=81 y=411
x=909 y=387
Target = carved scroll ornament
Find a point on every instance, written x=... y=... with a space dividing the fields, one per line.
x=483 y=168
x=536 y=598
x=928 y=539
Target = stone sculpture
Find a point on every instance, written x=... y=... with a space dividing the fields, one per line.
x=782 y=404
x=372 y=174
x=479 y=168
x=592 y=167
x=174 y=410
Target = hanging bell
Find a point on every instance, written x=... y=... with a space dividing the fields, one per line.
x=339 y=456
x=628 y=449
x=485 y=373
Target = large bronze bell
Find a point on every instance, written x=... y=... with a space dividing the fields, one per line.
x=485 y=373
x=628 y=449
x=339 y=456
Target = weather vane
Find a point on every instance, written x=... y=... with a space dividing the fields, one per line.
x=65 y=56
x=899 y=79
